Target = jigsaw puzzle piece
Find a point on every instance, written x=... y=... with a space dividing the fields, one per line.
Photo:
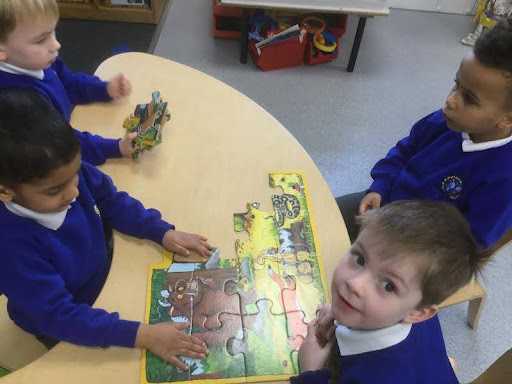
x=221 y=363
x=180 y=291
x=295 y=361
x=297 y=328
x=266 y=284
x=211 y=262
x=296 y=319
x=292 y=205
x=199 y=296
x=148 y=121
x=304 y=290
x=265 y=343
x=288 y=303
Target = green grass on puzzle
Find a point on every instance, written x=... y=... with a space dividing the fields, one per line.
x=3 y=372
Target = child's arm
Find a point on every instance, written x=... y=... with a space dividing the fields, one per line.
x=119 y=87
x=39 y=299
x=34 y=288
x=181 y=242
x=167 y=341
x=80 y=87
x=372 y=200
x=488 y=210
x=127 y=215
x=387 y=169
x=312 y=358
x=96 y=149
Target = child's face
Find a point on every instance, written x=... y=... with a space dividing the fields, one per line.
x=53 y=193
x=371 y=292
x=32 y=44
x=477 y=102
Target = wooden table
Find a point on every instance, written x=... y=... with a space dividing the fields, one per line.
x=218 y=149
x=362 y=8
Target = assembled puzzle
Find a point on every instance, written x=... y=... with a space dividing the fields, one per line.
x=148 y=121
x=251 y=310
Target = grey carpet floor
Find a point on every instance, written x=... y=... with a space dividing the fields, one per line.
x=348 y=121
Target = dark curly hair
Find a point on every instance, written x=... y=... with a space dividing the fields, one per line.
x=493 y=49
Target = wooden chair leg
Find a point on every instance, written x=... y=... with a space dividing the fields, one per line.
x=475 y=307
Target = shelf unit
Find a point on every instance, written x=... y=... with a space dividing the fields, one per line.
x=96 y=10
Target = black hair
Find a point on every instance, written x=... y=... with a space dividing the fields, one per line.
x=35 y=139
x=493 y=49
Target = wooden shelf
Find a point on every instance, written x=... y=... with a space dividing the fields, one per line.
x=95 y=10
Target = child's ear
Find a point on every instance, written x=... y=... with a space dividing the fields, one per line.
x=6 y=194
x=421 y=314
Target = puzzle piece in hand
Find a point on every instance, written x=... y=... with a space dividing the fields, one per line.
x=148 y=121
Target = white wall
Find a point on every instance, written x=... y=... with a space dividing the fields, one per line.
x=448 y=6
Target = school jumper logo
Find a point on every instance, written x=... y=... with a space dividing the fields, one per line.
x=452 y=185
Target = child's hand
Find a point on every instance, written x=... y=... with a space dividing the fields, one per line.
x=371 y=200
x=119 y=86
x=312 y=356
x=166 y=341
x=126 y=144
x=325 y=328
x=182 y=242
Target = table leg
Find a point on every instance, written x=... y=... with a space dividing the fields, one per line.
x=357 y=42
x=244 y=38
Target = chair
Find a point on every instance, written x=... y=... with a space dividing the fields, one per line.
x=17 y=348
x=500 y=372
x=473 y=292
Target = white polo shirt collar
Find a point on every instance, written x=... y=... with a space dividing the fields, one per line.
x=6 y=67
x=52 y=220
x=469 y=146
x=353 y=342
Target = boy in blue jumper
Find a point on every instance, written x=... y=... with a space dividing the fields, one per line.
x=458 y=154
x=54 y=258
x=29 y=59
x=409 y=257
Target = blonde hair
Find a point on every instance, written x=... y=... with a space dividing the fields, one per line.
x=13 y=11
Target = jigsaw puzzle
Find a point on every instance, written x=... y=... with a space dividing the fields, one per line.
x=148 y=121
x=251 y=309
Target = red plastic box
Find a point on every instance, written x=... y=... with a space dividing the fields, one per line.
x=337 y=24
x=227 y=21
x=284 y=54
x=220 y=10
x=226 y=27
x=320 y=57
